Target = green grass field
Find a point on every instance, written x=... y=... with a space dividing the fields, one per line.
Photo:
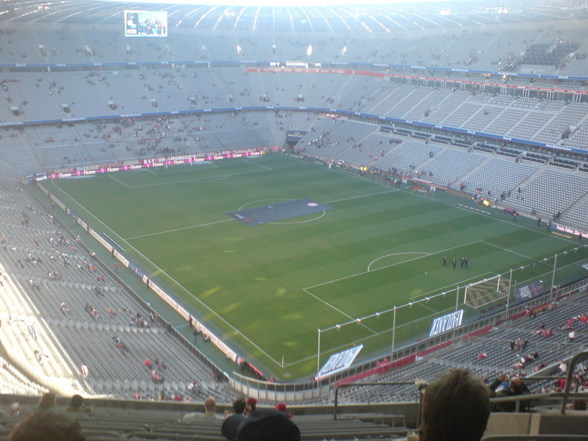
x=266 y=289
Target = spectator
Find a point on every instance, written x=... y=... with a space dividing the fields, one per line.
x=47 y=426
x=456 y=407
x=210 y=408
x=251 y=406
x=282 y=408
x=156 y=376
x=46 y=402
x=77 y=404
x=268 y=425
x=209 y=413
x=15 y=410
x=231 y=423
x=539 y=366
x=502 y=387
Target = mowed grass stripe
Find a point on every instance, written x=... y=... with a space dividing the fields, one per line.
x=342 y=247
x=254 y=276
x=398 y=284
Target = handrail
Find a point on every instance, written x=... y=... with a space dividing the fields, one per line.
x=518 y=399
x=551 y=396
x=576 y=359
x=391 y=383
x=250 y=385
x=542 y=437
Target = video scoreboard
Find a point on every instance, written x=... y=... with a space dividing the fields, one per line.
x=145 y=23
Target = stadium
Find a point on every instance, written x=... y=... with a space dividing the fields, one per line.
x=319 y=205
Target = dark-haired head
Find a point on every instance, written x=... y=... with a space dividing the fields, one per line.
x=47 y=426
x=456 y=407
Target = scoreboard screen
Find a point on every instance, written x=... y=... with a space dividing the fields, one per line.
x=145 y=23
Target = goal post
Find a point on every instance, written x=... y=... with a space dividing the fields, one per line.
x=486 y=291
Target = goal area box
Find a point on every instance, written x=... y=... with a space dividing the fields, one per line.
x=486 y=292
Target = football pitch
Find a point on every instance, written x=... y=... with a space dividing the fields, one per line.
x=268 y=251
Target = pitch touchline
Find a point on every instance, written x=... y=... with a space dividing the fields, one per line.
x=178 y=229
x=307 y=290
x=361 y=196
x=199 y=179
x=335 y=349
x=237 y=331
x=502 y=220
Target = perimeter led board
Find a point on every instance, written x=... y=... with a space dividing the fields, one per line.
x=145 y=23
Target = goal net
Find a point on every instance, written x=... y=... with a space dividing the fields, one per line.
x=486 y=291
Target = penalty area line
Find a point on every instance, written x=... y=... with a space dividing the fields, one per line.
x=333 y=307
x=441 y=290
x=511 y=251
x=397 y=254
x=391 y=265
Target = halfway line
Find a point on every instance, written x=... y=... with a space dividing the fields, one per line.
x=361 y=196
x=178 y=229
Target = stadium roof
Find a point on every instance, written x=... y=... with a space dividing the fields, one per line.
x=377 y=16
